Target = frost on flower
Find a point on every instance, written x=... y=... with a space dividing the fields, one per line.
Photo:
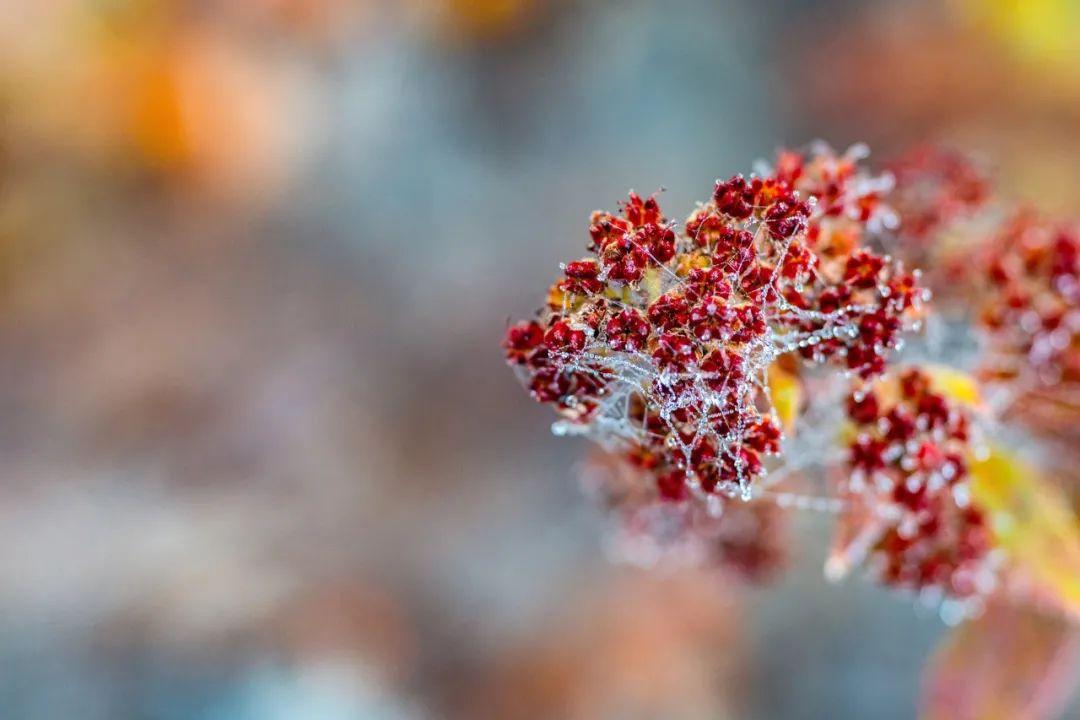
x=657 y=345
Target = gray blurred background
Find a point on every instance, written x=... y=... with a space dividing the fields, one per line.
x=260 y=454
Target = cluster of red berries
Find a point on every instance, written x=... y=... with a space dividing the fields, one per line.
x=658 y=344
x=909 y=465
x=1032 y=310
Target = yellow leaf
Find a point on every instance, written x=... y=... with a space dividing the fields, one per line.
x=1035 y=526
x=786 y=391
x=954 y=384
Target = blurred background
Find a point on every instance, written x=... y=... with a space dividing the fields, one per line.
x=260 y=454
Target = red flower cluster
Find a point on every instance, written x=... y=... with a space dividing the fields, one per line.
x=659 y=343
x=840 y=185
x=1032 y=310
x=935 y=187
x=908 y=464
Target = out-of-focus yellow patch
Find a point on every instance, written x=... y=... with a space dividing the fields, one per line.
x=653 y=283
x=1034 y=524
x=786 y=391
x=1041 y=30
x=954 y=384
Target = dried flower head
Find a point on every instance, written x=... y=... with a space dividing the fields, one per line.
x=934 y=188
x=1032 y=308
x=658 y=344
x=908 y=471
x=943 y=203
